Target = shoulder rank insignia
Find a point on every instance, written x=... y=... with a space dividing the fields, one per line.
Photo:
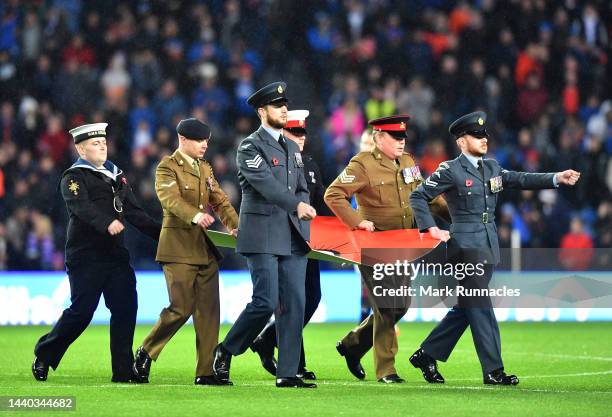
x=74 y=187
x=345 y=178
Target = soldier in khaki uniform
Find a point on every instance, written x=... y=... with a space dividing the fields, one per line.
x=186 y=187
x=381 y=181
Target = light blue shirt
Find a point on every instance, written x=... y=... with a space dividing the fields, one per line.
x=474 y=161
x=275 y=133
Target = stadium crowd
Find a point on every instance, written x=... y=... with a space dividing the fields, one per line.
x=539 y=69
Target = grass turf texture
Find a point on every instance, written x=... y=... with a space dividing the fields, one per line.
x=565 y=369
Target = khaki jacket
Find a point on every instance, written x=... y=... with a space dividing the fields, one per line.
x=182 y=195
x=382 y=191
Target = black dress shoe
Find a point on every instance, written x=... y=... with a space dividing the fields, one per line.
x=142 y=366
x=427 y=365
x=294 y=382
x=266 y=354
x=351 y=361
x=40 y=370
x=211 y=380
x=391 y=379
x=127 y=379
x=306 y=374
x=221 y=364
x=499 y=377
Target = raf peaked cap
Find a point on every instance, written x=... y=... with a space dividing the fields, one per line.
x=296 y=120
x=193 y=129
x=271 y=93
x=84 y=132
x=474 y=124
x=394 y=125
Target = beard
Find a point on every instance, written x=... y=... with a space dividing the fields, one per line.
x=276 y=123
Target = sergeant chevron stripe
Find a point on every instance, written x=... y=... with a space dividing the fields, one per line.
x=255 y=162
x=346 y=178
x=430 y=183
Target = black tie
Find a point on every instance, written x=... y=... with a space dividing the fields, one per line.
x=283 y=143
x=481 y=169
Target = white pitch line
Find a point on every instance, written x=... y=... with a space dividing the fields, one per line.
x=548 y=376
x=352 y=384
x=549 y=355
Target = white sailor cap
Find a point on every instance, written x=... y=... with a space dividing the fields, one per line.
x=84 y=132
x=296 y=120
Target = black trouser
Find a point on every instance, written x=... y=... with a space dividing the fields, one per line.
x=87 y=283
x=313 y=297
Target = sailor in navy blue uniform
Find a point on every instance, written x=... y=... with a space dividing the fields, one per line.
x=99 y=201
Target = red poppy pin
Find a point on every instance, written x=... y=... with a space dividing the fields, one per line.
x=468 y=183
x=274 y=161
x=124 y=180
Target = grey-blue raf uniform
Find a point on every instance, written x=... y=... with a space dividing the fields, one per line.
x=272 y=238
x=471 y=201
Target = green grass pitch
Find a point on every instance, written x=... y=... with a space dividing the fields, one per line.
x=565 y=370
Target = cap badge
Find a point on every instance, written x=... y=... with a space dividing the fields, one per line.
x=280 y=89
x=301 y=123
x=480 y=121
x=403 y=125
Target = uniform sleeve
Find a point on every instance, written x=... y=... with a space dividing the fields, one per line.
x=302 y=192
x=527 y=180
x=74 y=192
x=169 y=195
x=220 y=203
x=439 y=208
x=258 y=174
x=139 y=218
x=437 y=183
x=339 y=193
x=316 y=198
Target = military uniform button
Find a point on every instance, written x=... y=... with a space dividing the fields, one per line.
x=382 y=182
x=486 y=196
x=201 y=206
x=290 y=172
x=289 y=187
x=180 y=162
x=186 y=187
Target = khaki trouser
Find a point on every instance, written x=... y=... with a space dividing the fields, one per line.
x=377 y=330
x=193 y=290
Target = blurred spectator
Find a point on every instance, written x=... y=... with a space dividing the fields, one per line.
x=55 y=140
x=576 y=249
x=539 y=69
